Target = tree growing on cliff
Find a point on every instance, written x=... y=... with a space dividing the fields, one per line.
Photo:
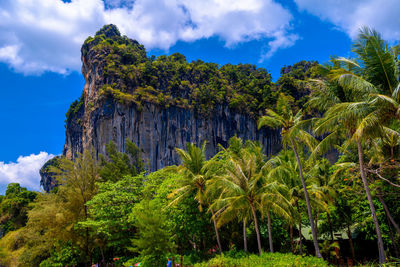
x=116 y=165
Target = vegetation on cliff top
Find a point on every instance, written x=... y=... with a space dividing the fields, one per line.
x=130 y=76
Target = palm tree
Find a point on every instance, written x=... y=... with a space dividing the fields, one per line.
x=274 y=201
x=322 y=188
x=383 y=155
x=359 y=120
x=371 y=95
x=284 y=169
x=292 y=135
x=194 y=179
x=227 y=213
x=241 y=189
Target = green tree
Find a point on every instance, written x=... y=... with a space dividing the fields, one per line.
x=109 y=211
x=116 y=165
x=284 y=169
x=194 y=179
x=272 y=200
x=14 y=207
x=293 y=135
x=189 y=225
x=355 y=118
x=153 y=240
x=78 y=180
x=228 y=212
x=244 y=190
x=368 y=84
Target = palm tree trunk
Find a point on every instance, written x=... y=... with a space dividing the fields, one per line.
x=216 y=232
x=316 y=223
x=390 y=220
x=353 y=254
x=253 y=210
x=102 y=254
x=244 y=236
x=309 y=211
x=388 y=214
x=300 y=234
x=291 y=238
x=381 y=249
x=396 y=251
x=330 y=225
x=271 y=245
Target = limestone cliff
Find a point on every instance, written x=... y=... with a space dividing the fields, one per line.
x=165 y=117
x=158 y=130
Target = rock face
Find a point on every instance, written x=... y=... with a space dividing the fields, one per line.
x=157 y=130
x=48 y=182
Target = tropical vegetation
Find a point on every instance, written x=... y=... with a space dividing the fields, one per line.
x=330 y=195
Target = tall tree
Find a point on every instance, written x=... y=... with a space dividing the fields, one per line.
x=194 y=179
x=14 y=207
x=78 y=180
x=371 y=92
x=245 y=189
x=294 y=136
x=358 y=119
x=242 y=190
x=284 y=169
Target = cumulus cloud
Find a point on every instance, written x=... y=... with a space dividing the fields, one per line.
x=25 y=171
x=46 y=35
x=349 y=16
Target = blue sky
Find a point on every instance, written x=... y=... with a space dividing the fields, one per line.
x=40 y=57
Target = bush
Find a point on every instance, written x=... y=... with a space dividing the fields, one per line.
x=133 y=261
x=50 y=263
x=235 y=254
x=266 y=259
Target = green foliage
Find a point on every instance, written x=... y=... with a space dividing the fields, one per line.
x=111 y=208
x=132 y=77
x=116 y=165
x=293 y=81
x=54 y=217
x=187 y=224
x=63 y=255
x=265 y=259
x=109 y=212
x=14 y=207
x=74 y=108
x=11 y=248
x=153 y=239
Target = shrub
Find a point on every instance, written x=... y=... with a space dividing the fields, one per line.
x=266 y=259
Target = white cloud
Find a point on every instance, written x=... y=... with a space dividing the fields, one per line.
x=349 y=16
x=281 y=40
x=46 y=35
x=25 y=171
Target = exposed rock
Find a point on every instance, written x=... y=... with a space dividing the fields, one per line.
x=157 y=130
x=48 y=181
